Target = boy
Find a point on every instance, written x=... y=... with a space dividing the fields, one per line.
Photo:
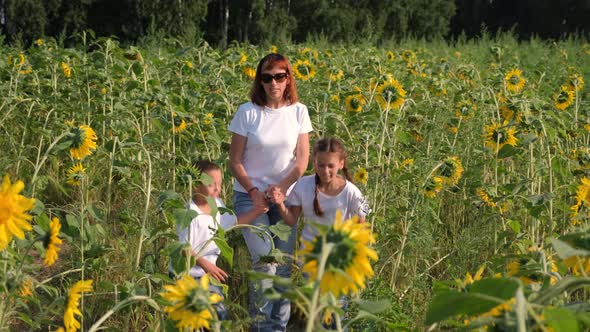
x=203 y=227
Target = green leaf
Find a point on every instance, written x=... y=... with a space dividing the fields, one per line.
x=167 y=195
x=205 y=179
x=96 y=212
x=212 y=205
x=72 y=221
x=281 y=230
x=564 y=250
x=183 y=217
x=561 y=320
x=227 y=252
x=483 y=295
x=374 y=307
x=507 y=151
x=514 y=225
x=177 y=257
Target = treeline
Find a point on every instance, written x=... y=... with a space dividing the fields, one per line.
x=258 y=21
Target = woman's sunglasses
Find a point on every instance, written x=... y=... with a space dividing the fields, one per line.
x=279 y=77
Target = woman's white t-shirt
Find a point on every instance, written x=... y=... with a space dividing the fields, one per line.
x=272 y=135
x=349 y=201
x=201 y=229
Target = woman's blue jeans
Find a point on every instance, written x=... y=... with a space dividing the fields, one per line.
x=274 y=314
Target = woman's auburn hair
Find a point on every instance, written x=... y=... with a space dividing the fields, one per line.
x=257 y=93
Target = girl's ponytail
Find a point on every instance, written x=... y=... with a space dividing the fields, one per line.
x=316 y=203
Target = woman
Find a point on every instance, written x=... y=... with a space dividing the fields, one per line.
x=269 y=151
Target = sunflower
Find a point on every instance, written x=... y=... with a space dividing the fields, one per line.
x=451 y=170
x=485 y=198
x=348 y=262
x=575 y=82
x=582 y=197
x=407 y=163
x=66 y=69
x=336 y=75
x=354 y=103
x=178 y=124
x=303 y=70
x=564 y=98
x=188 y=64
x=579 y=265
x=75 y=174
x=191 y=303
x=433 y=186
x=361 y=176
x=469 y=279
x=83 y=142
x=13 y=217
x=249 y=72
x=208 y=119
x=408 y=56
x=582 y=158
x=52 y=242
x=243 y=59
x=497 y=136
x=390 y=56
x=514 y=81
x=390 y=94
x=26 y=287
x=72 y=310
x=308 y=52
x=273 y=49
x=39 y=42
x=465 y=109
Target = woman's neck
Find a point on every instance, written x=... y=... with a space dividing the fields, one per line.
x=275 y=103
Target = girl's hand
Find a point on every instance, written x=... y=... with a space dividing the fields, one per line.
x=275 y=195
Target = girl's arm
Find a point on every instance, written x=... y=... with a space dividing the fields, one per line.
x=236 y=153
x=291 y=214
x=216 y=272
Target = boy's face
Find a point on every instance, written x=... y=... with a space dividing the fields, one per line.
x=213 y=189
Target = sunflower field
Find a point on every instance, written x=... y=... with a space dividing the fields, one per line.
x=474 y=157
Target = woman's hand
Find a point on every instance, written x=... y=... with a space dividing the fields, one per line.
x=258 y=198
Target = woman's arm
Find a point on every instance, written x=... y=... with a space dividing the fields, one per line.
x=236 y=153
x=302 y=159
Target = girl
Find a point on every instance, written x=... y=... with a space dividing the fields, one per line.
x=319 y=196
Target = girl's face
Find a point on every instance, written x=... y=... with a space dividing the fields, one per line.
x=214 y=188
x=275 y=87
x=327 y=165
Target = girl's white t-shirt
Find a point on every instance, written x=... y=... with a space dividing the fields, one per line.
x=272 y=136
x=349 y=201
x=201 y=229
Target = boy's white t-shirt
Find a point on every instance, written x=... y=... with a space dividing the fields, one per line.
x=349 y=201
x=201 y=229
x=272 y=136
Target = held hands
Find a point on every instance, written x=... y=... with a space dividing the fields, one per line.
x=275 y=195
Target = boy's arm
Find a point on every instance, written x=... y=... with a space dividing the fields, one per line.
x=212 y=269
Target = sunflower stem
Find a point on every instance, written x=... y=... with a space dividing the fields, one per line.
x=40 y=163
x=313 y=310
